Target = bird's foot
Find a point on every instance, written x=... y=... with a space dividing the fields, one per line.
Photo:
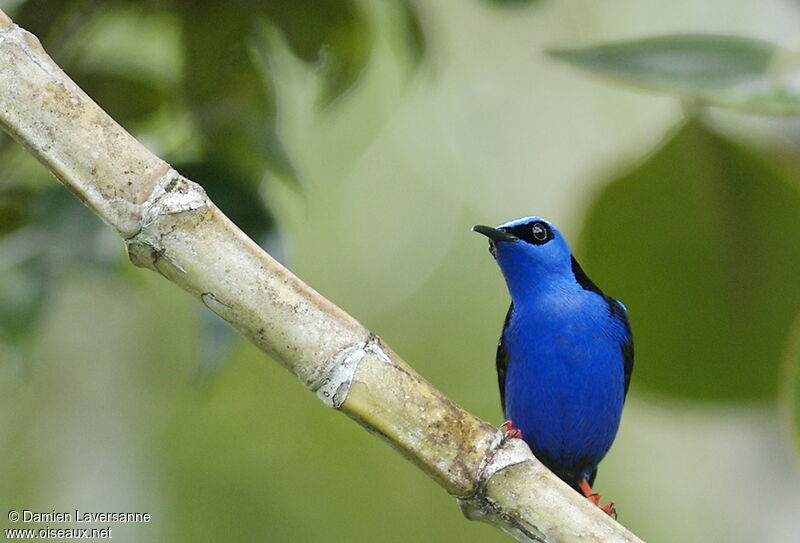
x=594 y=497
x=508 y=428
x=609 y=508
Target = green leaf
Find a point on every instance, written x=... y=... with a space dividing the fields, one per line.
x=729 y=71
x=333 y=33
x=702 y=242
x=232 y=100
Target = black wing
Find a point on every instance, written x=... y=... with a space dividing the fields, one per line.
x=502 y=360
x=618 y=310
x=627 y=358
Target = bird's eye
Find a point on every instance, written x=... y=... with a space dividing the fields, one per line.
x=539 y=231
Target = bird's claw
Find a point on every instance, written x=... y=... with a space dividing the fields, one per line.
x=594 y=497
x=510 y=431
x=608 y=508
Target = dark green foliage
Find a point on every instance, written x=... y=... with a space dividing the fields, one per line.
x=226 y=86
x=334 y=34
x=701 y=242
x=226 y=81
x=232 y=104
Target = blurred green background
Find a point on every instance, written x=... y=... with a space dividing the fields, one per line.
x=358 y=142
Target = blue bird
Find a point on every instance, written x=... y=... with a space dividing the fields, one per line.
x=565 y=355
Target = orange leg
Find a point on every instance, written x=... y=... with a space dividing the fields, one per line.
x=594 y=497
x=508 y=426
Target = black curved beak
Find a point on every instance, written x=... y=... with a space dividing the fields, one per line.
x=493 y=233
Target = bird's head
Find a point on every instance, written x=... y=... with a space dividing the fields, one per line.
x=528 y=250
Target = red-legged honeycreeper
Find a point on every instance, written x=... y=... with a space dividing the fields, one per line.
x=565 y=354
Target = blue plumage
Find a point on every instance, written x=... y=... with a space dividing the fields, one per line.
x=565 y=355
